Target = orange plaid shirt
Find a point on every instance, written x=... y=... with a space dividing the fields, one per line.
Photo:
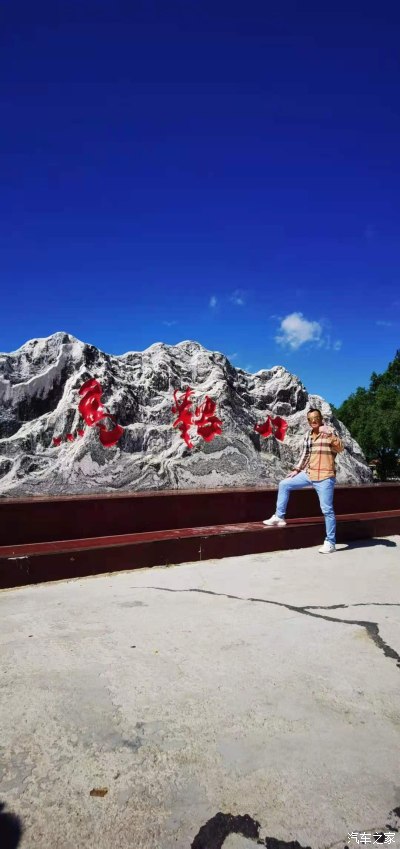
x=319 y=454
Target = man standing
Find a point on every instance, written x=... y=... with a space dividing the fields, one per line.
x=316 y=468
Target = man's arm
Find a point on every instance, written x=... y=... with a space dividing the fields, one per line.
x=333 y=438
x=304 y=457
x=336 y=443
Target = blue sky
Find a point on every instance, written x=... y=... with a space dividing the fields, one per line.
x=224 y=172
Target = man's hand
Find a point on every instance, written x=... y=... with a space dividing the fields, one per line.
x=326 y=430
x=293 y=473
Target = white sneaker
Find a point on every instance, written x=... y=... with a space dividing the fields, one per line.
x=327 y=548
x=274 y=520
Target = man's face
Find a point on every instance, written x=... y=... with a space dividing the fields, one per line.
x=314 y=420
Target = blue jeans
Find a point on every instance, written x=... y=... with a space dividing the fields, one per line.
x=325 y=494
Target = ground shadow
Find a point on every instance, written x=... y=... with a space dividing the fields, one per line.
x=10 y=829
x=367 y=543
x=213 y=833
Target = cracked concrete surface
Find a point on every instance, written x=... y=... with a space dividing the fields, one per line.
x=198 y=697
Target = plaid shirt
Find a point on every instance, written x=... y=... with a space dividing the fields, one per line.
x=319 y=454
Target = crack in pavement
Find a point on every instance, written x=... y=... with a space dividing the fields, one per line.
x=371 y=628
x=356 y=604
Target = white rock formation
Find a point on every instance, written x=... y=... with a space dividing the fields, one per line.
x=39 y=386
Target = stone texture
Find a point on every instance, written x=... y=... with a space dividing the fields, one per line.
x=39 y=386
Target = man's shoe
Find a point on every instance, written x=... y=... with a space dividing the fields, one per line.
x=274 y=520
x=327 y=548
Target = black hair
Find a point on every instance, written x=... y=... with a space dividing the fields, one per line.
x=314 y=410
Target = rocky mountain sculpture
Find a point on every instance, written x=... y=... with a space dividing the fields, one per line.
x=39 y=393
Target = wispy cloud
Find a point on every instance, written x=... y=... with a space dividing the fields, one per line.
x=295 y=331
x=384 y=323
x=170 y=323
x=233 y=356
x=330 y=344
x=238 y=297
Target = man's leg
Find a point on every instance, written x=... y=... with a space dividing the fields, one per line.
x=285 y=488
x=325 y=491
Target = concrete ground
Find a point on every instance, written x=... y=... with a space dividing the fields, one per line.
x=205 y=705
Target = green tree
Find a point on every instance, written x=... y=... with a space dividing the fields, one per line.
x=373 y=417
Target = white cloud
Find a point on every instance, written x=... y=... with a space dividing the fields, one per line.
x=384 y=323
x=233 y=356
x=238 y=297
x=169 y=323
x=295 y=331
x=213 y=302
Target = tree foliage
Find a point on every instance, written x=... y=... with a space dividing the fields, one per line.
x=373 y=417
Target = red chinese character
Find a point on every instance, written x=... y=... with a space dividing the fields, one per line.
x=276 y=426
x=264 y=428
x=207 y=423
x=90 y=408
x=93 y=413
x=280 y=428
x=204 y=419
x=183 y=406
x=108 y=438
